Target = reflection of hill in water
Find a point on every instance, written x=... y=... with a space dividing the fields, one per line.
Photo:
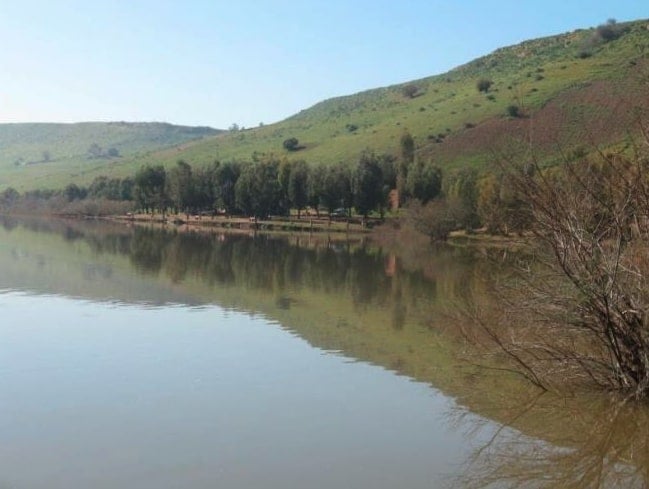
x=364 y=301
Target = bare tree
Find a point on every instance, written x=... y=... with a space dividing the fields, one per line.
x=580 y=311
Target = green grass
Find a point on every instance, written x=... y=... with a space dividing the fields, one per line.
x=22 y=146
x=532 y=75
x=447 y=102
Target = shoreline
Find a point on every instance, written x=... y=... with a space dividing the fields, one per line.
x=275 y=225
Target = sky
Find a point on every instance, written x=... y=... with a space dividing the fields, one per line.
x=217 y=63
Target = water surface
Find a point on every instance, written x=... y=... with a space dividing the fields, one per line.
x=135 y=357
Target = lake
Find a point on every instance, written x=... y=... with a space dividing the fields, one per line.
x=151 y=358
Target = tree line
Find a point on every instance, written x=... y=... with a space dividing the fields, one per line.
x=267 y=185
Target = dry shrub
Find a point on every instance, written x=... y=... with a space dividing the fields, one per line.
x=579 y=312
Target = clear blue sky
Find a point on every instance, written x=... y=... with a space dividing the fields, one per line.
x=201 y=62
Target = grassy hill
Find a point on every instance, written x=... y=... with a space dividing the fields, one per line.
x=44 y=154
x=571 y=89
x=571 y=92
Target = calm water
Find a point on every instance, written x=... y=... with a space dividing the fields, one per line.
x=133 y=357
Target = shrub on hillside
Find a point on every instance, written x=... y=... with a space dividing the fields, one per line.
x=410 y=91
x=291 y=144
x=483 y=85
x=514 y=111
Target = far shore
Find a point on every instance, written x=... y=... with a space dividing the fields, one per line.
x=292 y=224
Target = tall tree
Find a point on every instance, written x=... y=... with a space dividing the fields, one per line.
x=150 y=188
x=336 y=189
x=424 y=181
x=180 y=187
x=297 y=186
x=227 y=175
x=258 y=192
x=407 y=148
x=367 y=184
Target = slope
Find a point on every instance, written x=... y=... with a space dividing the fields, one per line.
x=569 y=89
x=47 y=154
x=568 y=92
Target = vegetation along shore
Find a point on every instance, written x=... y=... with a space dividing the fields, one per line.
x=548 y=138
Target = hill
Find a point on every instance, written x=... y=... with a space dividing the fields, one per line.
x=45 y=154
x=558 y=94
x=572 y=89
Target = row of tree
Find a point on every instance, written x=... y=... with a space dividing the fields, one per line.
x=270 y=186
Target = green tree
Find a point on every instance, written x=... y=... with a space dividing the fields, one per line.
x=335 y=189
x=367 y=184
x=298 y=186
x=205 y=186
x=463 y=186
x=149 y=188
x=126 y=186
x=424 y=181
x=258 y=192
x=315 y=185
x=407 y=147
x=8 y=198
x=74 y=192
x=180 y=187
x=284 y=175
x=483 y=85
x=227 y=175
x=291 y=144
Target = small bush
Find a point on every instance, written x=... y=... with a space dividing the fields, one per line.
x=291 y=144
x=436 y=219
x=513 y=111
x=483 y=85
x=410 y=91
x=609 y=31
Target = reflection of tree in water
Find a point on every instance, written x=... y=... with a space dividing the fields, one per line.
x=146 y=250
x=8 y=223
x=261 y=263
x=600 y=443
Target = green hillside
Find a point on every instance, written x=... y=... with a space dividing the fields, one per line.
x=567 y=85
x=561 y=93
x=46 y=154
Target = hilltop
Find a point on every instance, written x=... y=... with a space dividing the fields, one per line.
x=570 y=89
x=36 y=155
x=564 y=93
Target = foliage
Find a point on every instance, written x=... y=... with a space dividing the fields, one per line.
x=367 y=184
x=609 y=31
x=336 y=187
x=410 y=91
x=407 y=149
x=436 y=219
x=424 y=181
x=227 y=175
x=258 y=192
x=450 y=100
x=291 y=144
x=513 y=111
x=463 y=188
x=149 y=190
x=484 y=84
x=180 y=187
x=586 y=313
x=298 y=186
